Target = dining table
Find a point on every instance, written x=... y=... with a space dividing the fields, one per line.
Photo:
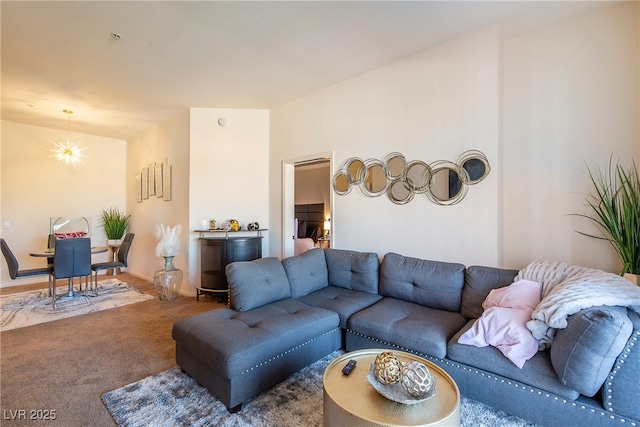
x=49 y=252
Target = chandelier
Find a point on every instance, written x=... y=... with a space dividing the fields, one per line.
x=67 y=152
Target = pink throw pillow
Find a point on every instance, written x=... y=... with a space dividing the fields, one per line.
x=503 y=324
x=523 y=295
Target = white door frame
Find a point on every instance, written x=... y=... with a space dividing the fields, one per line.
x=288 y=198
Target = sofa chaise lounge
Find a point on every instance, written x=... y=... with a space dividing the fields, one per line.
x=284 y=315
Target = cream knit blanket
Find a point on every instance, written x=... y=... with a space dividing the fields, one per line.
x=567 y=289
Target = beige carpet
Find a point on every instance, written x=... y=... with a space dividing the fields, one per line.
x=23 y=309
x=68 y=364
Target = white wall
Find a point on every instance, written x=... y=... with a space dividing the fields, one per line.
x=168 y=141
x=539 y=106
x=217 y=173
x=570 y=101
x=36 y=187
x=229 y=176
x=430 y=106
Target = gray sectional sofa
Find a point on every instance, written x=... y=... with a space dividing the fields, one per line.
x=286 y=314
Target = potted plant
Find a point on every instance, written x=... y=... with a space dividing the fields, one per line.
x=115 y=224
x=615 y=202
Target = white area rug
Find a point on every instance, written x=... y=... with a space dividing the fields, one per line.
x=33 y=307
x=172 y=398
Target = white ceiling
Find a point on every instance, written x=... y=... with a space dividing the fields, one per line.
x=173 y=55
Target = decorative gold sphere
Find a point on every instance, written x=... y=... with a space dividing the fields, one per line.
x=387 y=368
x=416 y=378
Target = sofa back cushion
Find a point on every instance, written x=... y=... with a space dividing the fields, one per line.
x=583 y=353
x=432 y=284
x=479 y=281
x=353 y=270
x=306 y=272
x=256 y=283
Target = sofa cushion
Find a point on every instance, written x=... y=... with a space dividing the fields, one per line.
x=231 y=342
x=353 y=270
x=412 y=326
x=479 y=281
x=432 y=284
x=584 y=352
x=345 y=302
x=537 y=372
x=306 y=272
x=256 y=283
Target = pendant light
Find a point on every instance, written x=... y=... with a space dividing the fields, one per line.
x=67 y=151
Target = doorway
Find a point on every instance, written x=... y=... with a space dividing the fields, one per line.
x=306 y=165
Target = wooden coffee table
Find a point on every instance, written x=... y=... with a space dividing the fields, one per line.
x=351 y=400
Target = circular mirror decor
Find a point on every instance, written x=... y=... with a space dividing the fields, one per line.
x=341 y=184
x=394 y=165
x=448 y=184
x=443 y=182
x=416 y=176
x=476 y=170
x=355 y=170
x=399 y=193
x=375 y=179
x=476 y=165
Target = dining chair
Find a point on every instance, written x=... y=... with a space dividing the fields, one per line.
x=72 y=258
x=123 y=252
x=14 y=266
x=51 y=245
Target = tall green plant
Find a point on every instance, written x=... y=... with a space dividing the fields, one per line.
x=615 y=202
x=115 y=223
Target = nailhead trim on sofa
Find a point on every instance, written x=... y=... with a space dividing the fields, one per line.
x=288 y=351
x=624 y=355
x=623 y=421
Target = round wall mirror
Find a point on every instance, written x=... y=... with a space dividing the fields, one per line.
x=476 y=169
x=341 y=184
x=355 y=171
x=399 y=193
x=476 y=165
x=416 y=176
x=394 y=165
x=445 y=184
x=448 y=184
x=375 y=179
